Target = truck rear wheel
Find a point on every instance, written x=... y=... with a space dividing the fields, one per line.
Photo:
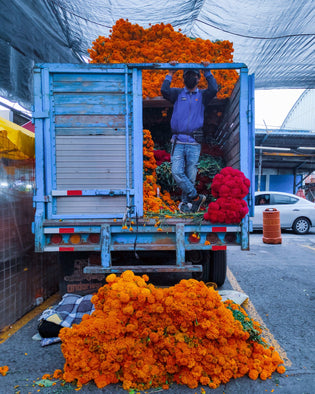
x=218 y=266
x=213 y=264
x=200 y=257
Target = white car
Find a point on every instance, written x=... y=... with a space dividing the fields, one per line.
x=296 y=213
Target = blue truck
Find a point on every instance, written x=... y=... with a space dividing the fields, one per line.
x=89 y=173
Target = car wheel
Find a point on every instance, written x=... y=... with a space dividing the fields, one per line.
x=301 y=226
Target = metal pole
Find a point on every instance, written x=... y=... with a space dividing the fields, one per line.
x=259 y=170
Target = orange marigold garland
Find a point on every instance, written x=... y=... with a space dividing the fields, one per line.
x=145 y=337
x=154 y=200
x=160 y=43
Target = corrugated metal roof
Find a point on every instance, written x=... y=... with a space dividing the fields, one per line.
x=301 y=114
x=286 y=149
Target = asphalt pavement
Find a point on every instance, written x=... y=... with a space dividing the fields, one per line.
x=279 y=280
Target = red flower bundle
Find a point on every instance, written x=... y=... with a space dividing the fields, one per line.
x=230 y=182
x=230 y=186
x=161 y=156
x=226 y=210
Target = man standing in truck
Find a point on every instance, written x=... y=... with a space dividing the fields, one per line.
x=186 y=125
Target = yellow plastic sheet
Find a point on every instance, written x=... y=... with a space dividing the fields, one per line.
x=16 y=142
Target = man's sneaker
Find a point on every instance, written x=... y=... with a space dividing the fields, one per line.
x=185 y=207
x=197 y=202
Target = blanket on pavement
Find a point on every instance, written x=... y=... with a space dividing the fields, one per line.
x=67 y=312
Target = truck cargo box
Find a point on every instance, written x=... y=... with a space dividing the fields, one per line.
x=89 y=172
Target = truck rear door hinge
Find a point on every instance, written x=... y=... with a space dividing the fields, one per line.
x=42 y=199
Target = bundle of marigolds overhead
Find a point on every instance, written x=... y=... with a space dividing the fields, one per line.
x=230 y=186
x=153 y=199
x=131 y=43
x=145 y=337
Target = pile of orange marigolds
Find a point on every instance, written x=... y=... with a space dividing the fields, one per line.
x=145 y=337
x=131 y=43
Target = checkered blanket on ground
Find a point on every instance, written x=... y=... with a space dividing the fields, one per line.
x=69 y=311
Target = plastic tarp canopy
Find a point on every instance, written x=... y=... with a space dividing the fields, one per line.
x=275 y=39
x=16 y=142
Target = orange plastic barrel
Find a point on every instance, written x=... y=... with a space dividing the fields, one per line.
x=271 y=226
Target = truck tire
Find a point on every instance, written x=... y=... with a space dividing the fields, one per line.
x=217 y=271
x=213 y=264
x=201 y=258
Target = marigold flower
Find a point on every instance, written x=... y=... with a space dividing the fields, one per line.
x=111 y=278
x=128 y=276
x=281 y=369
x=253 y=374
x=124 y=297
x=4 y=370
x=128 y=310
x=57 y=374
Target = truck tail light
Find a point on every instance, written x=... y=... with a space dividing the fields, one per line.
x=194 y=238
x=56 y=239
x=94 y=238
x=230 y=238
x=75 y=239
x=212 y=238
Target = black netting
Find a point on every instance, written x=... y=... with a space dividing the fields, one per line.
x=276 y=39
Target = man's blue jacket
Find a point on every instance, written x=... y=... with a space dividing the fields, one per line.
x=189 y=107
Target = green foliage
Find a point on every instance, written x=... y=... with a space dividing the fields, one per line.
x=165 y=178
x=248 y=325
x=210 y=166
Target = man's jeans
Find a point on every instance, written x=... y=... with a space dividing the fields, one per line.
x=185 y=160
